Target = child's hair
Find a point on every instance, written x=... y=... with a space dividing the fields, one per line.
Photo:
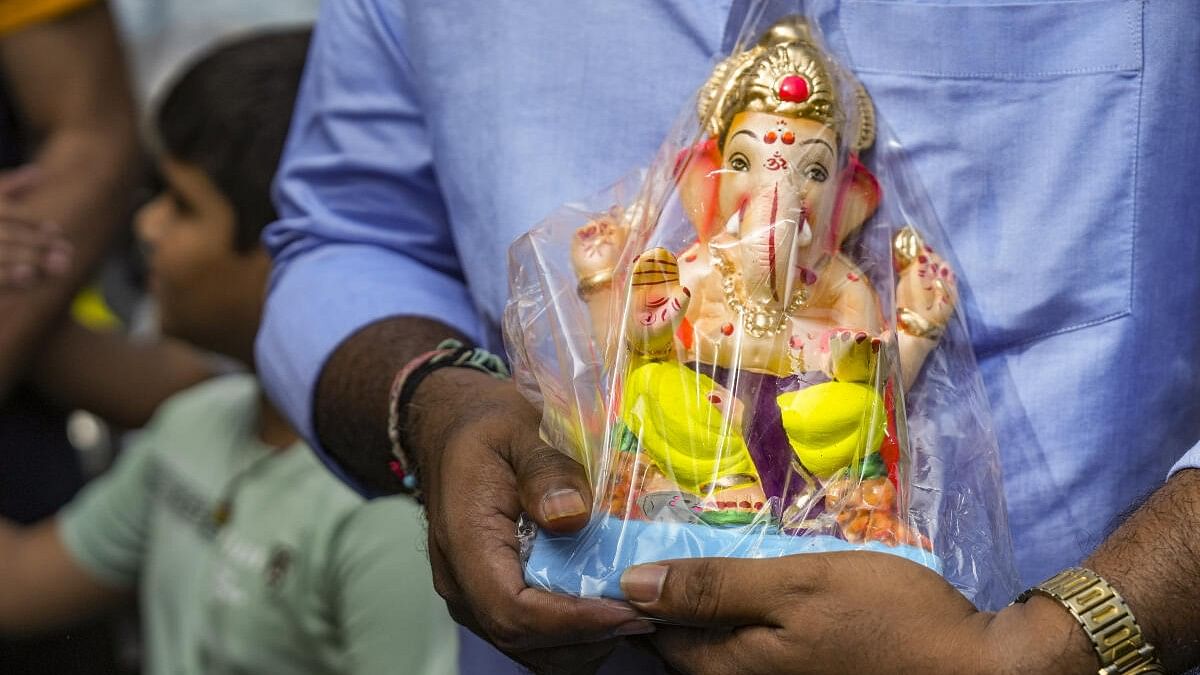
x=228 y=115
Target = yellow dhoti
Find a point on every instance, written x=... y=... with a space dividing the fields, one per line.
x=676 y=413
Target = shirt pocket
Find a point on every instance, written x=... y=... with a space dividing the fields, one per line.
x=1023 y=123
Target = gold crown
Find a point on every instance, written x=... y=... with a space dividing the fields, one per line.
x=785 y=73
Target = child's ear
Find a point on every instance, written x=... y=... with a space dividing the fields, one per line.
x=698 y=179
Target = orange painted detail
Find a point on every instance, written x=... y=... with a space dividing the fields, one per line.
x=686 y=334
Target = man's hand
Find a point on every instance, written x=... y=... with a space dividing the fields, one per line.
x=79 y=108
x=842 y=613
x=482 y=464
x=30 y=251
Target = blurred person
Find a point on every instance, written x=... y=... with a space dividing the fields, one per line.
x=68 y=158
x=161 y=35
x=71 y=148
x=248 y=556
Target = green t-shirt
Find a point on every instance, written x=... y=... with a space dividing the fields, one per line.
x=303 y=577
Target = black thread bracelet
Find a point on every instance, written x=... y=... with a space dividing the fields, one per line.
x=449 y=354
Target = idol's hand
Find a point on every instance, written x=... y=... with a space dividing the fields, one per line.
x=842 y=613
x=853 y=355
x=926 y=284
x=597 y=246
x=482 y=463
x=658 y=302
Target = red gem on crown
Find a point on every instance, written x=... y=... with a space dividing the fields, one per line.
x=793 y=89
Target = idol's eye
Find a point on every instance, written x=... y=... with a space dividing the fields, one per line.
x=816 y=172
x=738 y=162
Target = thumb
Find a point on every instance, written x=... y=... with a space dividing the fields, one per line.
x=707 y=591
x=553 y=487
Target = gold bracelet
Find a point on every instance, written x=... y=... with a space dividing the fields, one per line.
x=907 y=246
x=1107 y=620
x=916 y=325
x=589 y=285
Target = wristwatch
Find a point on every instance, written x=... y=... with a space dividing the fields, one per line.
x=1105 y=617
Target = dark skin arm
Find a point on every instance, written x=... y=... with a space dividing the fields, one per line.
x=481 y=464
x=871 y=612
x=114 y=376
x=43 y=585
x=1154 y=561
x=68 y=81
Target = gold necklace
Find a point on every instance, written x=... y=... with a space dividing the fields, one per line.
x=759 y=321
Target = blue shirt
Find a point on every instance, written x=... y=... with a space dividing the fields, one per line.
x=1058 y=141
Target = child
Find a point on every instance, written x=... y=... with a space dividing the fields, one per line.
x=248 y=555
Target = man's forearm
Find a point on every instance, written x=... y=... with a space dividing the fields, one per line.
x=1153 y=559
x=351 y=403
x=78 y=109
x=90 y=203
x=43 y=585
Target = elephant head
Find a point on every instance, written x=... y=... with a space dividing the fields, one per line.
x=776 y=186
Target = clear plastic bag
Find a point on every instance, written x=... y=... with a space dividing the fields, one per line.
x=753 y=345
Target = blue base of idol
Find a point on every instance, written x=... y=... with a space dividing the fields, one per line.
x=590 y=563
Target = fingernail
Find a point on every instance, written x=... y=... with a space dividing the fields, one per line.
x=634 y=628
x=643 y=583
x=563 y=504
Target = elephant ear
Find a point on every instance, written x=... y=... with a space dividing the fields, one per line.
x=862 y=127
x=698 y=180
x=858 y=196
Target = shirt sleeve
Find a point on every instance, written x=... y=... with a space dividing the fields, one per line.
x=391 y=618
x=363 y=233
x=1190 y=460
x=104 y=528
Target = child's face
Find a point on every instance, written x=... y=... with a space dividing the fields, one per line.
x=207 y=293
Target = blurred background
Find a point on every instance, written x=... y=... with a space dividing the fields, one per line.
x=56 y=432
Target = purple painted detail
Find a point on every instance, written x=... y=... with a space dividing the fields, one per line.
x=763 y=426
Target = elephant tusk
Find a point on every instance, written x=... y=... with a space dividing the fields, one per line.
x=734 y=223
x=805 y=236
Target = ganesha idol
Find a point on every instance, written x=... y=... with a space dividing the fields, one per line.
x=752 y=366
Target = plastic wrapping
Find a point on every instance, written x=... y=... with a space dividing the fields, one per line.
x=753 y=345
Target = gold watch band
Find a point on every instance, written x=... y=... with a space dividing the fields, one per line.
x=1105 y=617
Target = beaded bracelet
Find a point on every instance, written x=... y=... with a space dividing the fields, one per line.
x=449 y=353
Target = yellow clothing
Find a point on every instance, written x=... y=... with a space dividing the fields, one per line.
x=833 y=424
x=18 y=14
x=670 y=408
